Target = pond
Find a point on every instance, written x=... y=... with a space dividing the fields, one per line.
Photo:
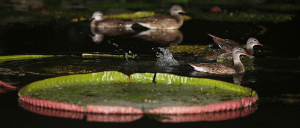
x=273 y=73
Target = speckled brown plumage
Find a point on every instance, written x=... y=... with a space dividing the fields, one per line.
x=99 y=21
x=173 y=21
x=227 y=46
x=217 y=68
x=221 y=41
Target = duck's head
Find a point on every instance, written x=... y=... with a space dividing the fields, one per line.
x=97 y=16
x=238 y=51
x=252 y=42
x=175 y=9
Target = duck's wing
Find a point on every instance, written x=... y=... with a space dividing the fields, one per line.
x=222 y=54
x=224 y=42
x=160 y=22
x=214 y=68
x=157 y=18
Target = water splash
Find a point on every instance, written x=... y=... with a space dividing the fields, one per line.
x=129 y=52
x=166 y=58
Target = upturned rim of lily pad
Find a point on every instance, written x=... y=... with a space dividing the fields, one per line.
x=92 y=117
x=161 y=78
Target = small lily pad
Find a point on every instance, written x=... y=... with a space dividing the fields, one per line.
x=187 y=49
x=138 y=15
x=23 y=57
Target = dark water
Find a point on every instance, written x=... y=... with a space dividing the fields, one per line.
x=275 y=78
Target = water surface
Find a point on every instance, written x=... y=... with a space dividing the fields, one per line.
x=273 y=73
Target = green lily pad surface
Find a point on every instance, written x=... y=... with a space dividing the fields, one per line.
x=23 y=57
x=186 y=49
x=244 y=17
x=113 y=88
x=142 y=96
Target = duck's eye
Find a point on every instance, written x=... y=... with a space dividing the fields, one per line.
x=254 y=40
x=240 y=48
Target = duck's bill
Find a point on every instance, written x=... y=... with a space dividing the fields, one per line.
x=259 y=44
x=91 y=18
x=182 y=11
x=245 y=53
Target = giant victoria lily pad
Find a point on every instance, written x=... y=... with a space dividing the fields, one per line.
x=112 y=92
x=94 y=117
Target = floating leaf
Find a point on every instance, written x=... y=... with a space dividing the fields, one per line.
x=115 y=92
x=187 y=49
x=138 y=15
x=244 y=16
x=23 y=57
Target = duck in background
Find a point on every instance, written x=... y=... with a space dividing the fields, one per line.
x=217 y=68
x=164 y=21
x=99 y=21
x=227 y=46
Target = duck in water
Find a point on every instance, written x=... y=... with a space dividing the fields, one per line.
x=99 y=21
x=227 y=46
x=217 y=68
x=165 y=21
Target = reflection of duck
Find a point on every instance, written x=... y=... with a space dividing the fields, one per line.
x=238 y=78
x=112 y=31
x=227 y=46
x=99 y=21
x=97 y=38
x=173 y=21
x=166 y=36
x=217 y=68
x=99 y=33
